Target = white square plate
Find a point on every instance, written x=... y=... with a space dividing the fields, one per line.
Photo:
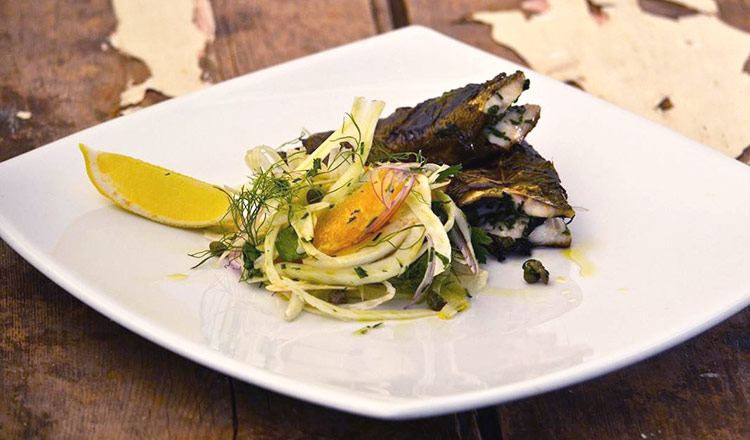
x=662 y=220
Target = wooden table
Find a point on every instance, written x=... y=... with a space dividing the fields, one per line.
x=69 y=372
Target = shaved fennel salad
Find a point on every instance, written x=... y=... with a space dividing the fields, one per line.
x=343 y=233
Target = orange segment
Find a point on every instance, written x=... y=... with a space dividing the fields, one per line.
x=154 y=192
x=346 y=223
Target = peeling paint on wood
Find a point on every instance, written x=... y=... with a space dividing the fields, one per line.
x=744 y=157
x=170 y=37
x=635 y=59
x=534 y=6
x=704 y=6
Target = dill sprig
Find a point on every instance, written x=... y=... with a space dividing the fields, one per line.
x=379 y=238
x=380 y=154
x=276 y=191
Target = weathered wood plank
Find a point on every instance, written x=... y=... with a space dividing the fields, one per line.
x=266 y=415
x=736 y=13
x=67 y=370
x=54 y=63
x=452 y=18
x=382 y=16
x=253 y=34
x=700 y=389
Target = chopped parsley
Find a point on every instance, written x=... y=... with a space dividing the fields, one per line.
x=367 y=328
x=412 y=276
x=249 y=254
x=286 y=245
x=448 y=173
x=437 y=209
x=480 y=241
x=360 y=272
x=315 y=166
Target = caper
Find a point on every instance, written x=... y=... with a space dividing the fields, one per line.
x=435 y=301
x=530 y=276
x=534 y=271
x=217 y=248
x=314 y=195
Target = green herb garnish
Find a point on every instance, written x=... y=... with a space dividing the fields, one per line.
x=249 y=254
x=286 y=245
x=367 y=328
x=360 y=272
x=448 y=172
x=480 y=241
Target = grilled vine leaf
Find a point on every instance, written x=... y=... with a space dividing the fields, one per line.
x=517 y=198
x=451 y=128
x=521 y=171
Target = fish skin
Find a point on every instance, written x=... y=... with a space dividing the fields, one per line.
x=520 y=171
x=448 y=128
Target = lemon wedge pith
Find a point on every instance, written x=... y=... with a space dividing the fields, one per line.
x=154 y=192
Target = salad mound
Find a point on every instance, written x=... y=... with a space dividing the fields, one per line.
x=340 y=232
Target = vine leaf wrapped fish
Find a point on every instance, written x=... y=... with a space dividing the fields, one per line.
x=505 y=186
x=452 y=127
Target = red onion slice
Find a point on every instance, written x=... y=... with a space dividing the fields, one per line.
x=234 y=260
x=429 y=275
x=462 y=238
x=391 y=205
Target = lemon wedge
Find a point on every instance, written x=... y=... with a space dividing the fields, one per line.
x=154 y=192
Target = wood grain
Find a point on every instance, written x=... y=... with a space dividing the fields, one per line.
x=452 y=17
x=68 y=372
x=700 y=389
x=263 y=414
x=735 y=13
x=52 y=63
x=253 y=34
